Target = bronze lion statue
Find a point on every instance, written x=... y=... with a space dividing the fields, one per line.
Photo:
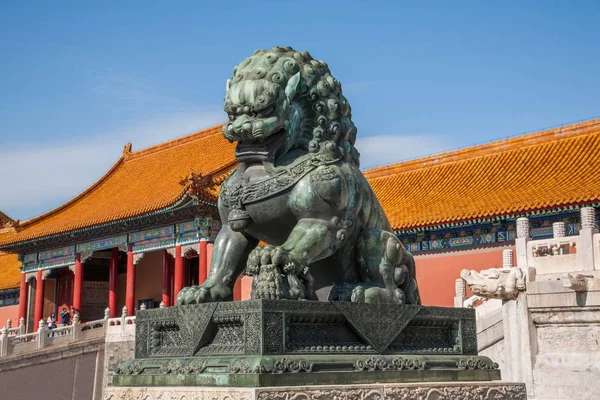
x=299 y=189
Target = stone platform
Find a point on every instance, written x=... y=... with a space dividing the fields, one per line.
x=264 y=343
x=417 y=391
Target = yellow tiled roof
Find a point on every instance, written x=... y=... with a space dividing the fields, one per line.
x=543 y=170
x=9 y=271
x=139 y=182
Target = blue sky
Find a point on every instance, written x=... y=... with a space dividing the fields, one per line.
x=78 y=81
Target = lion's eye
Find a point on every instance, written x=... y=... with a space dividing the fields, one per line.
x=231 y=117
x=265 y=112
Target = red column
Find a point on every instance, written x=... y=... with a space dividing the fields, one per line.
x=39 y=299
x=203 y=262
x=178 y=285
x=113 y=274
x=78 y=284
x=166 y=279
x=171 y=279
x=23 y=293
x=130 y=288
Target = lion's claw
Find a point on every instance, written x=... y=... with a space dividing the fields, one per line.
x=205 y=293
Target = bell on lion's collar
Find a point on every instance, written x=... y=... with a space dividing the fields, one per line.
x=238 y=220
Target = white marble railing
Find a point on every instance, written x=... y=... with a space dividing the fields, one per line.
x=19 y=330
x=124 y=325
x=16 y=341
x=560 y=254
x=554 y=255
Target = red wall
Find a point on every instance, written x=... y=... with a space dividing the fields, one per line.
x=436 y=273
x=9 y=312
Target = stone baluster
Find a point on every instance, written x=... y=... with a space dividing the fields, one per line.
x=460 y=296
x=123 y=316
x=41 y=334
x=585 y=245
x=508 y=258
x=523 y=227
x=22 y=327
x=3 y=342
x=558 y=230
x=76 y=327
x=521 y=242
x=588 y=217
x=161 y=305
x=8 y=324
x=143 y=306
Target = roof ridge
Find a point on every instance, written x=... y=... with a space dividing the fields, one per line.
x=76 y=198
x=200 y=134
x=502 y=145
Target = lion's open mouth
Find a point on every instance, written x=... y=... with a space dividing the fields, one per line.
x=257 y=150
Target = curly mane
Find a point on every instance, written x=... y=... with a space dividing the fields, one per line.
x=326 y=115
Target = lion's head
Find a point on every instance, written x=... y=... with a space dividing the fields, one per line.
x=281 y=100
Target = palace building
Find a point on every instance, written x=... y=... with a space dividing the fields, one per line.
x=145 y=229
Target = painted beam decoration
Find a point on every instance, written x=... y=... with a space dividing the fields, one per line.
x=49 y=259
x=153 y=239
x=102 y=244
x=541 y=228
x=165 y=237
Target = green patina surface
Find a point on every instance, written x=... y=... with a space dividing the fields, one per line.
x=325 y=370
x=280 y=342
x=298 y=188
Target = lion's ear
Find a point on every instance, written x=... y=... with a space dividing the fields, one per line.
x=292 y=85
x=227 y=85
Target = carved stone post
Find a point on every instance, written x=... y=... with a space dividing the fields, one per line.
x=22 y=327
x=106 y=317
x=8 y=324
x=123 y=316
x=588 y=217
x=76 y=328
x=460 y=296
x=585 y=245
x=558 y=230
x=161 y=305
x=520 y=342
x=41 y=334
x=521 y=242
x=508 y=258
x=3 y=342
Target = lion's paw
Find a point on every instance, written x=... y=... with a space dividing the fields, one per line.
x=205 y=293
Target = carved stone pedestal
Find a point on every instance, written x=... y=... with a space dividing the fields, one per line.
x=264 y=343
x=417 y=391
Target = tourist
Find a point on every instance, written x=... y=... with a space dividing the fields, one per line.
x=75 y=311
x=51 y=321
x=65 y=316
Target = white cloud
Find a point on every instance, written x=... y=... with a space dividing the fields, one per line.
x=38 y=179
x=379 y=150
